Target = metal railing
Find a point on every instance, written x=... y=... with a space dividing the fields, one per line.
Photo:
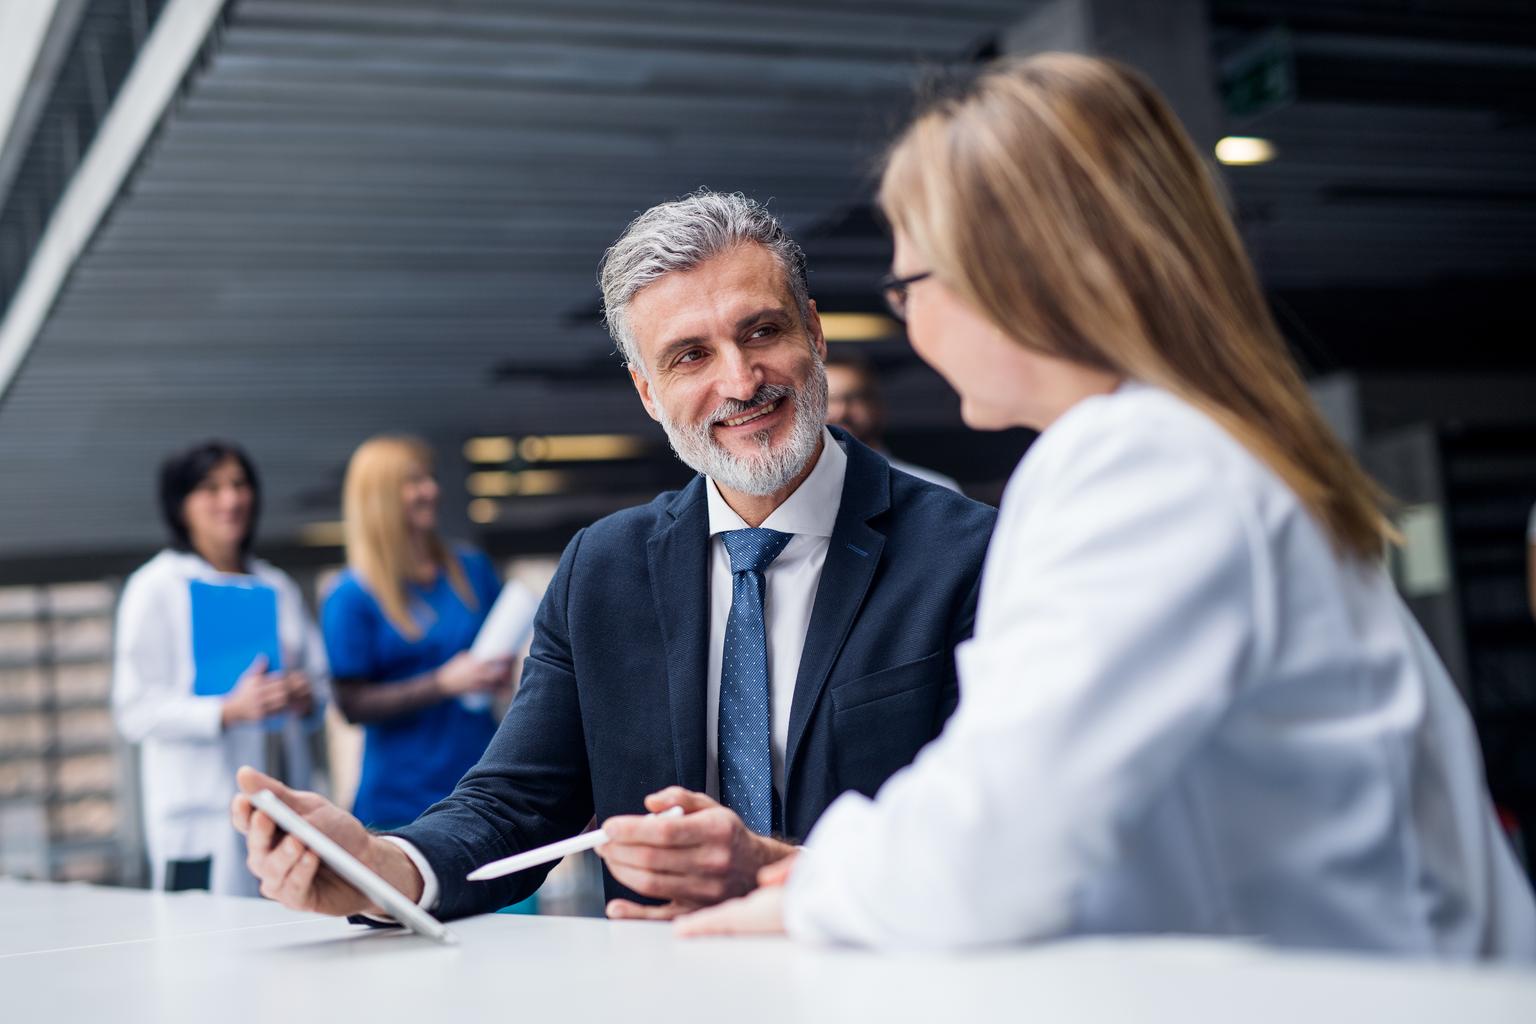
x=106 y=41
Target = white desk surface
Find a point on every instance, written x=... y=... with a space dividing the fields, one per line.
x=74 y=953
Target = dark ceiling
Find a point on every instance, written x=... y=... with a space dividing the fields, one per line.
x=1397 y=229
x=370 y=215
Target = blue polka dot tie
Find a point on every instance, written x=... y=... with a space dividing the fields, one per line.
x=746 y=753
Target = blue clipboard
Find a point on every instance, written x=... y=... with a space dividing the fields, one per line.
x=231 y=624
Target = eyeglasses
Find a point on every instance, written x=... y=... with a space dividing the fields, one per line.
x=895 y=291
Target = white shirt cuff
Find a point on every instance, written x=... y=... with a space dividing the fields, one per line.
x=428 y=901
x=799 y=923
x=205 y=717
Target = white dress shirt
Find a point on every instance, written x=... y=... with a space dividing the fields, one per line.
x=1181 y=711
x=187 y=758
x=790 y=591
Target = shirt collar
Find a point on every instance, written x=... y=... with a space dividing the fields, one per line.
x=811 y=510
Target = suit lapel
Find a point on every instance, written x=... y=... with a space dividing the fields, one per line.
x=853 y=554
x=678 y=555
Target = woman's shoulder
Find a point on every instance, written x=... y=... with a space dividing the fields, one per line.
x=483 y=575
x=1148 y=447
x=1147 y=426
x=474 y=561
x=167 y=566
x=467 y=553
x=272 y=576
x=348 y=589
x=1143 y=415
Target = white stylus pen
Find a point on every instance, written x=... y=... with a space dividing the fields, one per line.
x=554 y=851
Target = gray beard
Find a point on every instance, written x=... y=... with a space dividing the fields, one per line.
x=769 y=470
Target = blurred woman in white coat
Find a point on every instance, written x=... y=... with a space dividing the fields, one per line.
x=1193 y=702
x=191 y=745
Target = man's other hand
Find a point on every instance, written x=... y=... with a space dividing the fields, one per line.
x=757 y=913
x=697 y=860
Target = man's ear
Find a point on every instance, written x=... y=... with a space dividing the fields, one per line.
x=813 y=327
x=643 y=388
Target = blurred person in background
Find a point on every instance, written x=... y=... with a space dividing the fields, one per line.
x=856 y=403
x=1194 y=702
x=398 y=627
x=190 y=744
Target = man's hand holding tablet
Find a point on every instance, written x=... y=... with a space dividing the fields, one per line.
x=294 y=875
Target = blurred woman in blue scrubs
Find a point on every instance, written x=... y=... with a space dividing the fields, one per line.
x=1193 y=702
x=397 y=630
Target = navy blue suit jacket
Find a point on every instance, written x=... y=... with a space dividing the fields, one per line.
x=612 y=701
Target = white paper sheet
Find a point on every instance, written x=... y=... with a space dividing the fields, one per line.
x=509 y=625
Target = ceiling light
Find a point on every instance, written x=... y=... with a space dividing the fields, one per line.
x=1244 y=150
x=492 y=484
x=858 y=326
x=488 y=450
x=581 y=447
x=504 y=484
x=483 y=510
x=323 y=535
x=541 y=481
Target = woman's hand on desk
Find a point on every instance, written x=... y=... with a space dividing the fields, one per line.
x=292 y=874
x=697 y=860
x=758 y=913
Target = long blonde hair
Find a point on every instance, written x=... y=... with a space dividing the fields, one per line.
x=1061 y=198
x=378 y=539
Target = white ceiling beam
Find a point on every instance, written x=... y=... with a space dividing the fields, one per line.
x=147 y=91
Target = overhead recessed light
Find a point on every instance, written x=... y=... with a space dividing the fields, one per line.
x=492 y=484
x=1245 y=150
x=580 y=447
x=504 y=484
x=858 y=326
x=483 y=510
x=323 y=535
x=541 y=481
x=488 y=450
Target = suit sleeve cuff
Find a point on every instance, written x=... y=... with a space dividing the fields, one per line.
x=428 y=901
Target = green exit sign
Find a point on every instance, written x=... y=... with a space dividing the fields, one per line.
x=1260 y=77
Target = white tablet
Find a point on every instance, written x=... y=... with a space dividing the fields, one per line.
x=399 y=906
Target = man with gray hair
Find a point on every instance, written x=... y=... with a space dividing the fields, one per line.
x=778 y=632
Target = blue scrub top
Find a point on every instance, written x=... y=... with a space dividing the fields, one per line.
x=411 y=762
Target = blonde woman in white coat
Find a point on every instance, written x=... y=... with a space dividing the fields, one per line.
x=1193 y=702
x=191 y=745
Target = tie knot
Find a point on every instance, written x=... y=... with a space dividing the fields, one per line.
x=753 y=550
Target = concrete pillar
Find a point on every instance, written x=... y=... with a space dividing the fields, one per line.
x=1338 y=398
x=1168 y=41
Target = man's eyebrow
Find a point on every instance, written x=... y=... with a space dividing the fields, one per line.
x=674 y=347
x=766 y=313
x=680 y=344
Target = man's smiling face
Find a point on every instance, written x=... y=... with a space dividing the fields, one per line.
x=729 y=369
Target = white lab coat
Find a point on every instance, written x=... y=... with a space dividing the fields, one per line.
x=1182 y=712
x=187 y=759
